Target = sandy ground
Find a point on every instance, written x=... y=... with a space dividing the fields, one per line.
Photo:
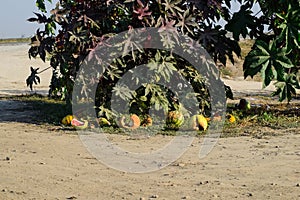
x=39 y=163
x=15 y=68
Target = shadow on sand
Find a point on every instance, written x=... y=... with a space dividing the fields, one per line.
x=33 y=109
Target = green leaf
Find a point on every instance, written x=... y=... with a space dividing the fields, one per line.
x=285 y=62
x=279 y=72
x=123 y=92
x=256 y=61
x=286 y=88
x=263 y=47
x=267 y=59
x=186 y=22
x=240 y=22
x=143 y=98
x=267 y=74
x=40 y=4
x=290 y=26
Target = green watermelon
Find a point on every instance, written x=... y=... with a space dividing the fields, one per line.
x=79 y=124
x=174 y=119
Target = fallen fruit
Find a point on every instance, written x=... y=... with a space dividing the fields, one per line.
x=244 y=105
x=67 y=120
x=132 y=122
x=79 y=124
x=202 y=122
x=195 y=123
x=103 y=122
x=147 y=121
x=231 y=118
x=174 y=119
x=207 y=119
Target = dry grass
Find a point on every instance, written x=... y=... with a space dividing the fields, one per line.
x=235 y=70
x=14 y=40
x=266 y=120
x=246 y=46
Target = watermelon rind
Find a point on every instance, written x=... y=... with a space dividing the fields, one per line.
x=79 y=124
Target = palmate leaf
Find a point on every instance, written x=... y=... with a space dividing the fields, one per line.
x=287 y=88
x=107 y=113
x=33 y=78
x=187 y=21
x=123 y=92
x=172 y=6
x=41 y=18
x=240 y=22
x=163 y=66
x=267 y=59
x=267 y=73
x=218 y=45
x=41 y=4
x=290 y=26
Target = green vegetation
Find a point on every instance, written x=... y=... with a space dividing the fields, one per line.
x=75 y=28
x=85 y=24
x=257 y=122
x=276 y=55
x=263 y=119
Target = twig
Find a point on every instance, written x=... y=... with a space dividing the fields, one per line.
x=44 y=70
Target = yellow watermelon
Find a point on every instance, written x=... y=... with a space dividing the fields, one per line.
x=202 y=122
x=67 y=120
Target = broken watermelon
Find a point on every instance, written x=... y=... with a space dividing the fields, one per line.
x=79 y=124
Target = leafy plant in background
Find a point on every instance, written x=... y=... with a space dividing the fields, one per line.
x=33 y=78
x=82 y=25
x=75 y=27
x=276 y=55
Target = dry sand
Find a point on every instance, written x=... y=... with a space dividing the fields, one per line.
x=15 y=68
x=39 y=163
